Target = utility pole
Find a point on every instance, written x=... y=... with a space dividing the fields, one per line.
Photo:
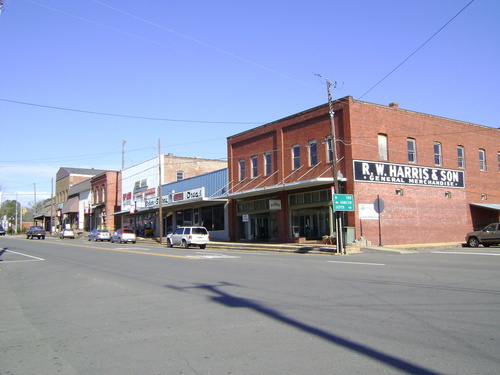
x=15 y=221
x=123 y=154
x=51 y=203
x=160 y=198
x=337 y=214
x=34 y=188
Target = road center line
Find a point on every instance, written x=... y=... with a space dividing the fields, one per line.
x=357 y=263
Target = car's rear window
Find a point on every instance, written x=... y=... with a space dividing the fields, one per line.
x=102 y=231
x=128 y=231
x=199 y=231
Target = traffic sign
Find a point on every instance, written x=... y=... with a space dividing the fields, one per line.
x=343 y=202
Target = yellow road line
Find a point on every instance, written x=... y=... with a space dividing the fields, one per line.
x=127 y=251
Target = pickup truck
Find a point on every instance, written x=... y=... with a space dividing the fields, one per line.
x=35 y=231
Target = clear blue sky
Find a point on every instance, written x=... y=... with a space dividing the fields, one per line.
x=216 y=68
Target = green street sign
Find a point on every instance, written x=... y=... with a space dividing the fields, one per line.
x=343 y=202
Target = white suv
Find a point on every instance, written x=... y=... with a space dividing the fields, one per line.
x=186 y=236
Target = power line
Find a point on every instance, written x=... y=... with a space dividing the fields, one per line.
x=414 y=52
x=128 y=116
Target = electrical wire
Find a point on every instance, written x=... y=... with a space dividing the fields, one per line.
x=418 y=49
x=129 y=116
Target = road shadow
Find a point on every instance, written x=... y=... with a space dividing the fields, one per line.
x=221 y=297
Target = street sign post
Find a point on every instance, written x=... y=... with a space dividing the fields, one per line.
x=343 y=202
x=379 y=206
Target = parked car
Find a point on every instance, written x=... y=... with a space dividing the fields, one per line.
x=67 y=233
x=35 y=231
x=490 y=235
x=2 y=231
x=124 y=235
x=187 y=236
x=99 y=235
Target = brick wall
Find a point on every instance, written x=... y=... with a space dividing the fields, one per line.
x=423 y=214
x=190 y=167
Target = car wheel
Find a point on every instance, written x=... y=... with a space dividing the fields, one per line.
x=185 y=244
x=133 y=242
x=169 y=243
x=89 y=238
x=203 y=246
x=473 y=242
x=43 y=237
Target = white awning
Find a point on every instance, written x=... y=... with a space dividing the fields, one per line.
x=490 y=206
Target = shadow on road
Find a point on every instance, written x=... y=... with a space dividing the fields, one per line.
x=232 y=301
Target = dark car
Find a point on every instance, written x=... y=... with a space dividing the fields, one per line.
x=35 y=231
x=490 y=235
x=2 y=231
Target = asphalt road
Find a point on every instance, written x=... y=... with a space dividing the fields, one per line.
x=78 y=307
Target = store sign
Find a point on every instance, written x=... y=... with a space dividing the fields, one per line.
x=154 y=202
x=367 y=211
x=189 y=194
x=141 y=184
x=274 y=204
x=390 y=173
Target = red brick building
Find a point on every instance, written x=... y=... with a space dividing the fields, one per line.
x=105 y=195
x=438 y=178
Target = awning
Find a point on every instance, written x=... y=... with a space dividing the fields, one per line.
x=489 y=206
x=71 y=205
x=281 y=187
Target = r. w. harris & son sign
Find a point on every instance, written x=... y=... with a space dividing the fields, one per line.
x=390 y=173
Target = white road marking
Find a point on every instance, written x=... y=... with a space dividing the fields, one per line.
x=214 y=256
x=132 y=248
x=357 y=263
x=463 y=253
x=26 y=255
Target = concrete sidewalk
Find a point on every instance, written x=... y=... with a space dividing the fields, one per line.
x=311 y=248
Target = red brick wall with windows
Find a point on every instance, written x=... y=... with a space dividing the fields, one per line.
x=422 y=214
